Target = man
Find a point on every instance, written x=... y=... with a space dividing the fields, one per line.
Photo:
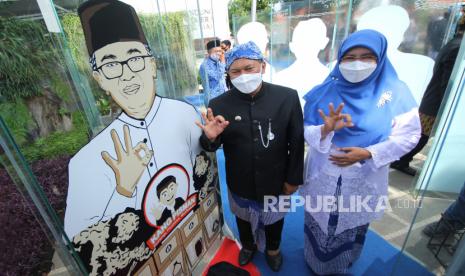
x=112 y=171
x=256 y=32
x=260 y=126
x=212 y=70
x=435 y=32
x=433 y=97
x=225 y=45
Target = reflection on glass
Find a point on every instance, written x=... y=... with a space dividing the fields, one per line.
x=410 y=37
x=392 y=21
x=31 y=229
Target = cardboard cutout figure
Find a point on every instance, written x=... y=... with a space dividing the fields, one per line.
x=308 y=39
x=132 y=184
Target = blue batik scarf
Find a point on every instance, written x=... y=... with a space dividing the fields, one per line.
x=372 y=103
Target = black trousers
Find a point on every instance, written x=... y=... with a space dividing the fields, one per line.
x=272 y=233
x=405 y=160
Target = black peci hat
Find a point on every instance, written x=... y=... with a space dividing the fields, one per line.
x=213 y=43
x=108 y=21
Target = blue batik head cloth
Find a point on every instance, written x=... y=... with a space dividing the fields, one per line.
x=247 y=50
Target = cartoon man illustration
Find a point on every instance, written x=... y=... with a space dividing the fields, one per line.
x=112 y=171
x=166 y=193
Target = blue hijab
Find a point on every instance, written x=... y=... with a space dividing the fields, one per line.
x=372 y=103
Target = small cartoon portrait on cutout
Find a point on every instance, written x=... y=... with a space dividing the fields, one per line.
x=166 y=193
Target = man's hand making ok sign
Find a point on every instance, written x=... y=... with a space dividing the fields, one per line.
x=214 y=126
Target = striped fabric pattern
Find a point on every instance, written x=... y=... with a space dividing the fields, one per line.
x=253 y=212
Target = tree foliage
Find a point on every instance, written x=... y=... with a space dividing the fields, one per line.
x=243 y=7
x=241 y=10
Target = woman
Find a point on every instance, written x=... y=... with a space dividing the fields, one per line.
x=347 y=164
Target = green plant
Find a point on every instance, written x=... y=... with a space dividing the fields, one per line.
x=77 y=46
x=18 y=119
x=104 y=106
x=59 y=143
x=61 y=88
x=26 y=55
x=171 y=41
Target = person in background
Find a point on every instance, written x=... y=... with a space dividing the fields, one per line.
x=435 y=32
x=349 y=153
x=433 y=97
x=260 y=126
x=454 y=215
x=212 y=70
x=226 y=45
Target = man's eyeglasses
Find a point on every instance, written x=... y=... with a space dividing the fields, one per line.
x=114 y=69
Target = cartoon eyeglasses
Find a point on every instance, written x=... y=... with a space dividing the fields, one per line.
x=114 y=69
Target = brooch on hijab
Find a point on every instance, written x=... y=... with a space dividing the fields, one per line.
x=386 y=97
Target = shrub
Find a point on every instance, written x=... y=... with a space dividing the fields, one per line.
x=25 y=248
x=59 y=143
x=18 y=119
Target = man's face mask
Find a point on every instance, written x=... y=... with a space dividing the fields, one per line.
x=248 y=83
x=215 y=56
x=357 y=71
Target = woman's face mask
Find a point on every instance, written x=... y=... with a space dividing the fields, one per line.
x=357 y=71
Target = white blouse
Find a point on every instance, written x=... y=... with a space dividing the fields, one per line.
x=367 y=180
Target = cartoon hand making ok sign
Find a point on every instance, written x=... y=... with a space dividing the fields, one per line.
x=129 y=164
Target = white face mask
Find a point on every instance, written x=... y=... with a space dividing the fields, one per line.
x=247 y=83
x=356 y=71
x=215 y=56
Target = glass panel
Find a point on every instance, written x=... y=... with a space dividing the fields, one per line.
x=297 y=38
x=414 y=36
x=50 y=118
x=46 y=113
x=32 y=235
x=71 y=107
x=209 y=22
x=415 y=32
x=305 y=37
x=441 y=183
x=171 y=39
